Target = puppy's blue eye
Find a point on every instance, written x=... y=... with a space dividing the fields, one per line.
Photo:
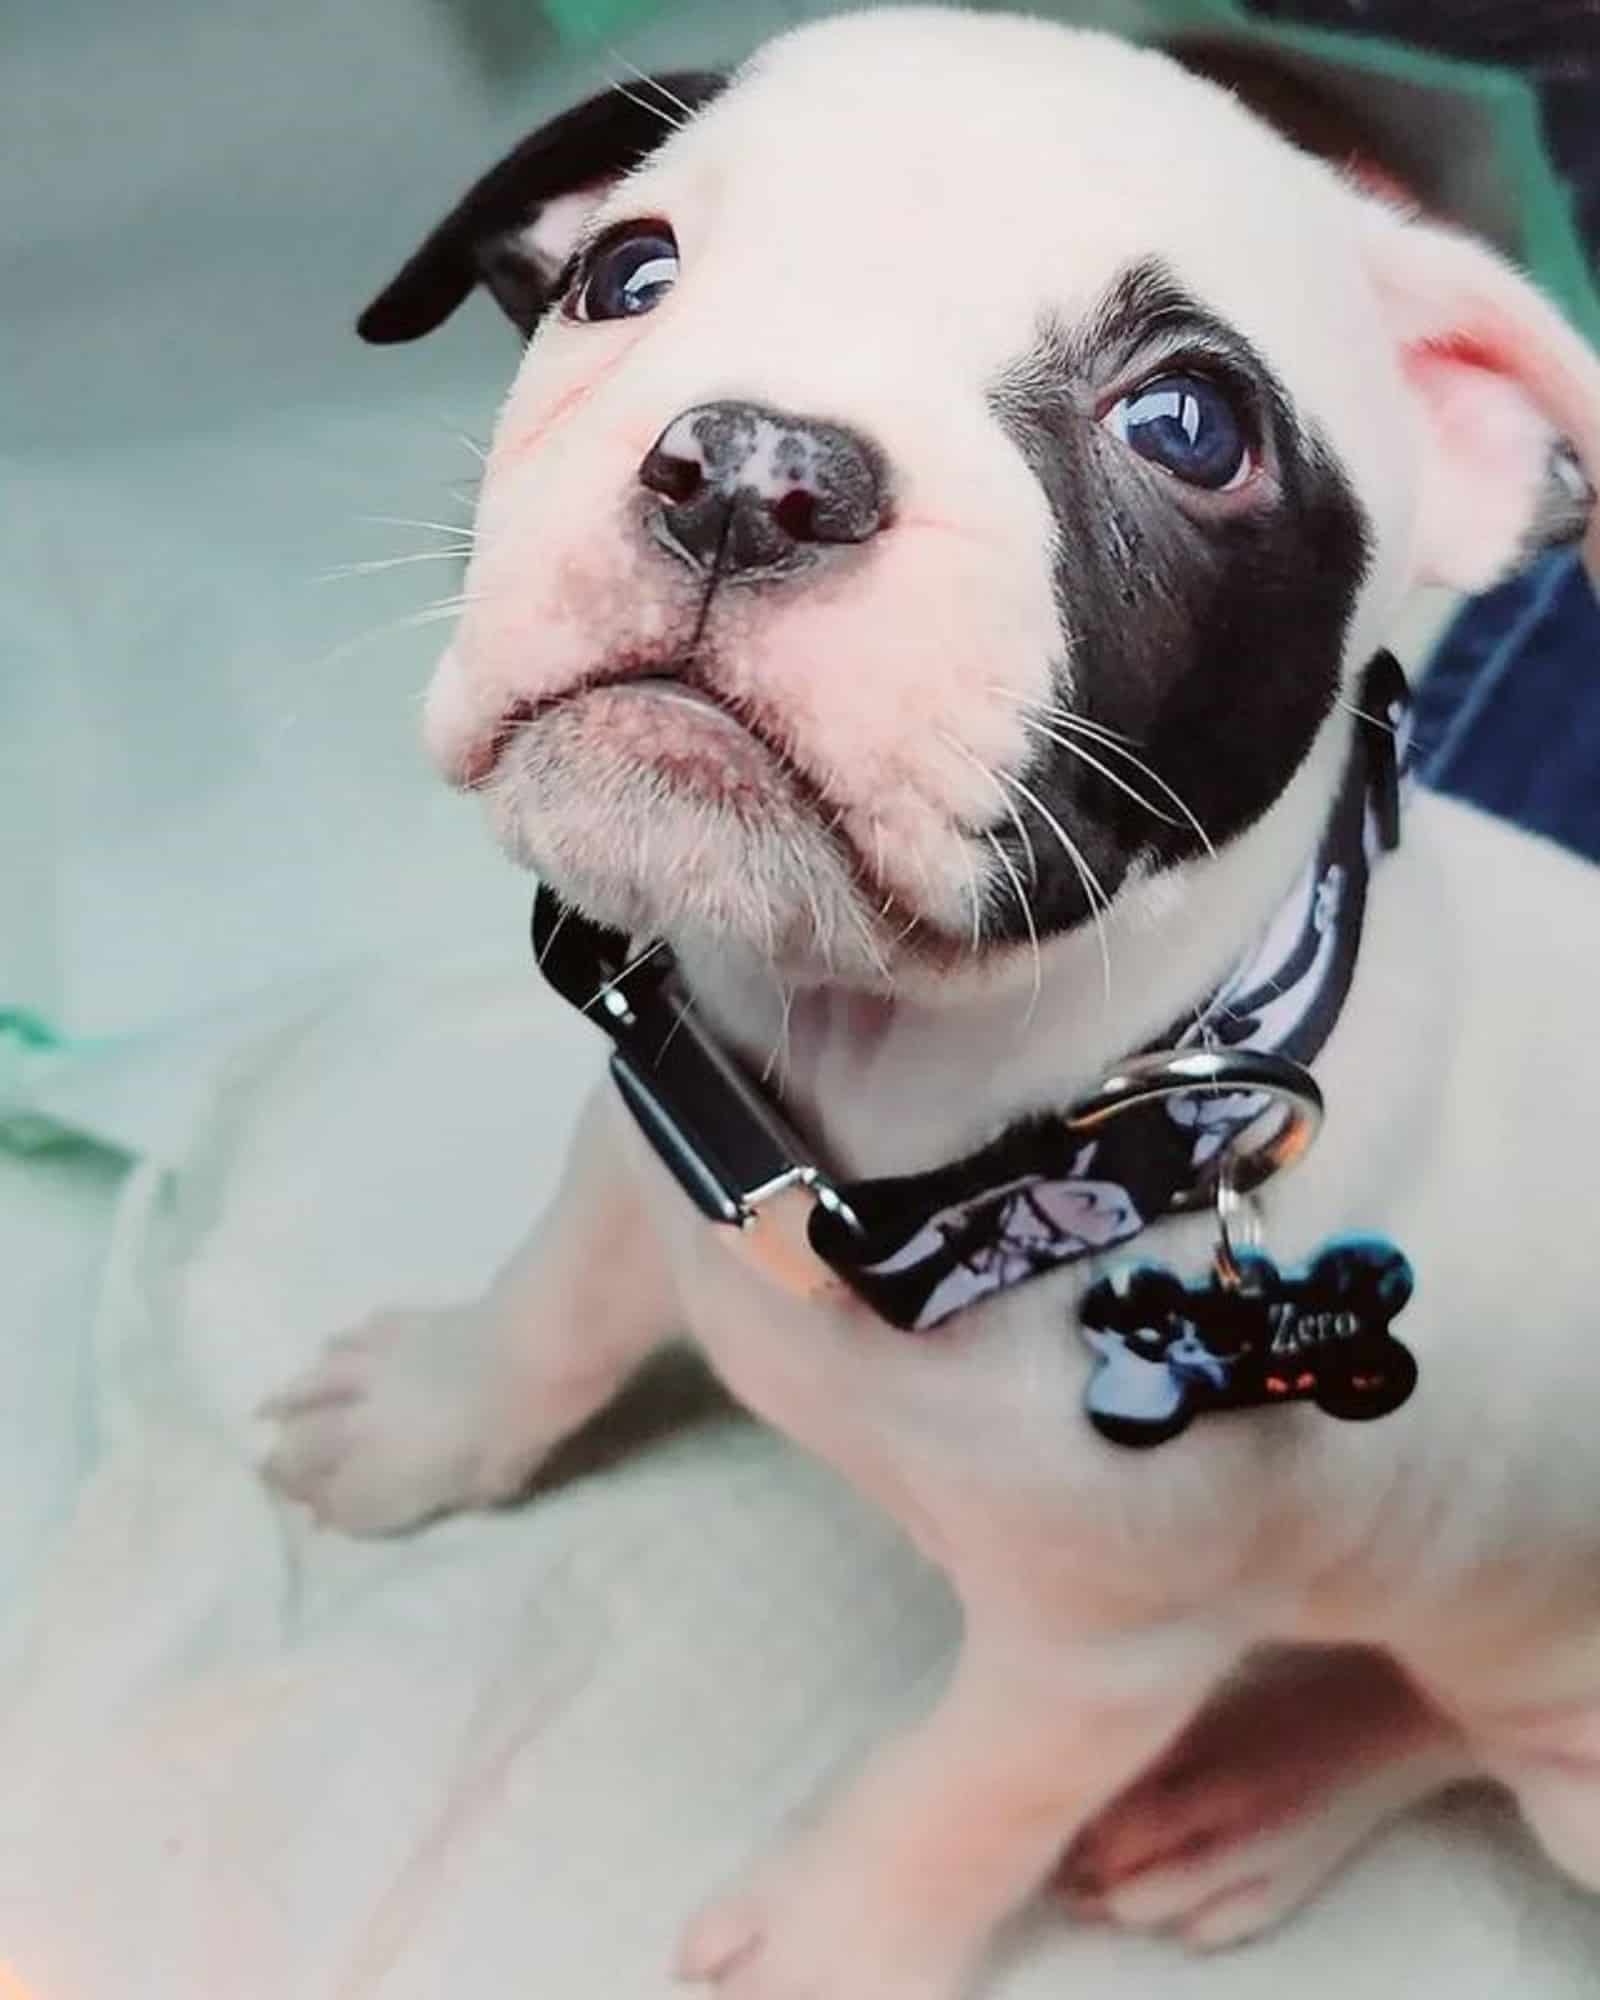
x=628 y=273
x=1188 y=426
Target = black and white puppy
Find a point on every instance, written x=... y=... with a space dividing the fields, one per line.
x=959 y=470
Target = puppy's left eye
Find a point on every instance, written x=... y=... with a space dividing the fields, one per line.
x=1190 y=427
x=628 y=272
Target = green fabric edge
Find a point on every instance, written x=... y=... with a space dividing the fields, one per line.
x=27 y=1042
x=581 y=23
x=1553 y=249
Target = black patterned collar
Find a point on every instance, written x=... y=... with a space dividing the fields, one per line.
x=1052 y=1188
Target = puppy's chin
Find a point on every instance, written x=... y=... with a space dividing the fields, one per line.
x=703 y=850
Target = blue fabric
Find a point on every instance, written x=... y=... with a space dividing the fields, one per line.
x=1508 y=712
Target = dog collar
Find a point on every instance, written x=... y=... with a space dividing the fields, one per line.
x=1151 y=1141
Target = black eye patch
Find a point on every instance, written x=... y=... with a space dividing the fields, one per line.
x=1203 y=624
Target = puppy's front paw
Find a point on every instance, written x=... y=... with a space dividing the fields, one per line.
x=803 y=1928
x=394 y=1423
x=1263 y=1798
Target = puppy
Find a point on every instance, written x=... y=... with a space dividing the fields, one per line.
x=960 y=470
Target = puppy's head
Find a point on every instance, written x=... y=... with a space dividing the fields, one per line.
x=956 y=470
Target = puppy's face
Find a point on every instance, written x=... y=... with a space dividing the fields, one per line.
x=950 y=483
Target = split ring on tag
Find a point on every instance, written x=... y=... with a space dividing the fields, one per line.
x=1246 y=1335
x=1231 y=1205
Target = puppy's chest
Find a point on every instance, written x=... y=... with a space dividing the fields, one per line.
x=975 y=1437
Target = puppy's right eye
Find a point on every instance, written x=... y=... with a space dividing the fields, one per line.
x=1189 y=426
x=628 y=272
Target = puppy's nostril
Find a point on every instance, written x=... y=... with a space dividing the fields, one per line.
x=796 y=514
x=675 y=479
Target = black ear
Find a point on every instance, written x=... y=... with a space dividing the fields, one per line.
x=485 y=237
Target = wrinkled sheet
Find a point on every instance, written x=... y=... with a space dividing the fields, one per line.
x=504 y=1756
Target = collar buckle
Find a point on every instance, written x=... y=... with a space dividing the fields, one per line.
x=725 y=1143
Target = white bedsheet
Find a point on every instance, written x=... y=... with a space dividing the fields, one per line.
x=505 y=1756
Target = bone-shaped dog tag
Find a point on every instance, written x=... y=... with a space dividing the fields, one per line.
x=1168 y=1349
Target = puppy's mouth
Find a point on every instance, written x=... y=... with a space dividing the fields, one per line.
x=649 y=795
x=669 y=713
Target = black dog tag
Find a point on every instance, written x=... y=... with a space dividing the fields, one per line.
x=1169 y=1350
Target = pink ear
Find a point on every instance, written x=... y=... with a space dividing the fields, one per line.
x=1503 y=383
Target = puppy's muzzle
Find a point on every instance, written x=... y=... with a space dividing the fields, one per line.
x=748 y=492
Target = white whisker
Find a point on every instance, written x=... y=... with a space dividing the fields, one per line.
x=644 y=104
x=1077 y=750
x=1092 y=885
x=914 y=921
x=654 y=83
x=1148 y=770
x=1115 y=743
x=457 y=435
x=1362 y=715
x=682 y=1007
x=555 y=932
x=446 y=609
x=345 y=570
x=779 y=1059
x=979 y=902
x=1052 y=711
x=633 y=965
x=869 y=943
x=1025 y=907
x=991 y=778
x=769 y=927
x=463 y=529
x=824 y=937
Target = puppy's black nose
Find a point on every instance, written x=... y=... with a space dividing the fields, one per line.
x=748 y=492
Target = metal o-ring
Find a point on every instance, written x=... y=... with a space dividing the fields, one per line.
x=1178 y=1072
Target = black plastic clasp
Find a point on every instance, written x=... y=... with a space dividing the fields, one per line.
x=1383 y=718
x=724 y=1143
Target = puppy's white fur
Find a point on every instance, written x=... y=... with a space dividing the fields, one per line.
x=884 y=270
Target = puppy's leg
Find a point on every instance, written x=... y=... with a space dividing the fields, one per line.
x=415 y=1413
x=1547 y=1752
x=1299 y=1761
x=893 y=1893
